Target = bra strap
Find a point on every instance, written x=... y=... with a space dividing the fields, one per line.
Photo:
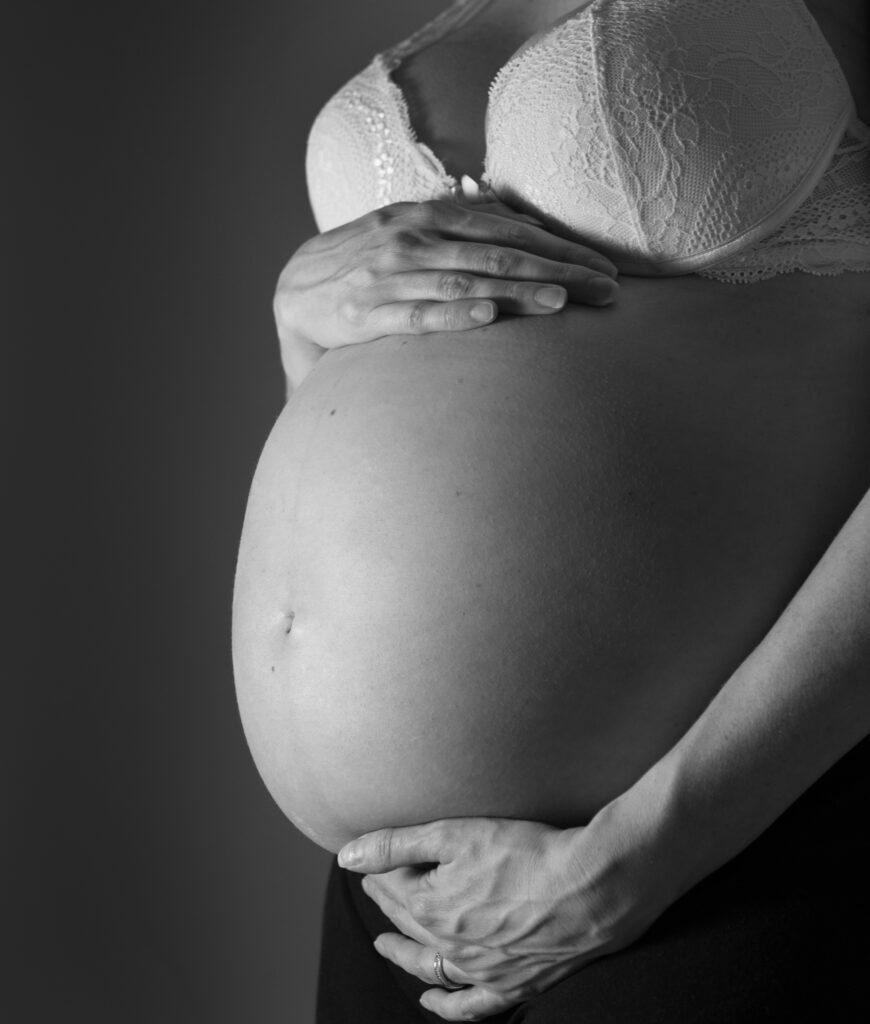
x=457 y=14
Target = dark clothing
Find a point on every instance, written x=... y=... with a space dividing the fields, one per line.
x=781 y=932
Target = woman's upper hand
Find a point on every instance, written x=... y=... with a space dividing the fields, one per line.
x=512 y=906
x=416 y=268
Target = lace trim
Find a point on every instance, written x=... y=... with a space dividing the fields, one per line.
x=445 y=181
x=363 y=152
x=360 y=155
x=827 y=235
x=672 y=133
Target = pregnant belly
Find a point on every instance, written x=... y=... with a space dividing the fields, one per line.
x=501 y=573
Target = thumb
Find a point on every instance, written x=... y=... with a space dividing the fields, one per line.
x=391 y=848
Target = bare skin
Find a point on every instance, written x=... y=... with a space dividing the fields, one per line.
x=446 y=84
x=835 y=309
x=695 y=808
x=742 y=441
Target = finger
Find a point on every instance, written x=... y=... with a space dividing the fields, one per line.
x=398 y=913
x=526 y=218
x=418 y=959
x=400 y=885
x=512 y=264
x=467 y=1004
x=517 y=297
x=426 y=316
x=492 y=205
x=390 y=848
x=499 y=224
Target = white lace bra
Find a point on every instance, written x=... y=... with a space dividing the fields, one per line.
x=677 y=136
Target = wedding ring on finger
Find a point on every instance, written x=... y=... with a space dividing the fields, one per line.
x=440 y=976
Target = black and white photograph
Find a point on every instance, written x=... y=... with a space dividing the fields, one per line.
x=438 y=447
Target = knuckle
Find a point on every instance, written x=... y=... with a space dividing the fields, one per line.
x=420 y=907
x=386 y=215
x=496 y=262
x=384 y=845
x=406 y=240
x=455 y=286
x=381 y=217
x=514 y=233
x=361 y=277
x=452 y=952
x=513 y=291
x=353 y=311
x=416 y=215
x=416 y=318
x=454 y=318
x=564 y=273
x=434 y=210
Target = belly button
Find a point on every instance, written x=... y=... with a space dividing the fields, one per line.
x=289 y=618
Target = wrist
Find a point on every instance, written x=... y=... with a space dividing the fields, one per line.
x=298 y=356
x=632 y=856
x=677 y=824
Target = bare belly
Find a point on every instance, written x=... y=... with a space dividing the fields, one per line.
x=501 y=573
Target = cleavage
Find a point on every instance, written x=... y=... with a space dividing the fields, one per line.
x=446 y=84
x=446 y=90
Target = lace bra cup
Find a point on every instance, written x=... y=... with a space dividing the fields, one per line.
x=677 y=136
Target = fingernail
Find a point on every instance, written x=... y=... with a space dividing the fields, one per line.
x=603 y=267
x=603 y=289
x=348 y=857
x=482 y=312
x=552 y=297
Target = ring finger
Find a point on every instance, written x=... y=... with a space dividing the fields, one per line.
x=419 y=960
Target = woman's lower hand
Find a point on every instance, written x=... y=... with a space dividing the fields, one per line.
x=512 y=906
x=417 y=268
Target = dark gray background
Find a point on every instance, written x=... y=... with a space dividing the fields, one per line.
x=157 y=191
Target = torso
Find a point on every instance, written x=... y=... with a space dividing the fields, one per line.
x=517 y=566
x=521 y=567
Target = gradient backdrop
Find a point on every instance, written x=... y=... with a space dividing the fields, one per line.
x=159 y=189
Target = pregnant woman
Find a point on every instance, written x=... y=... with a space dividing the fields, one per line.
x=558 y=589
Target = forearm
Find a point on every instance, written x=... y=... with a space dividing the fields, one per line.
x=796 y=705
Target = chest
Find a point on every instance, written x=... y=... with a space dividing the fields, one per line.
x=446 y=84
